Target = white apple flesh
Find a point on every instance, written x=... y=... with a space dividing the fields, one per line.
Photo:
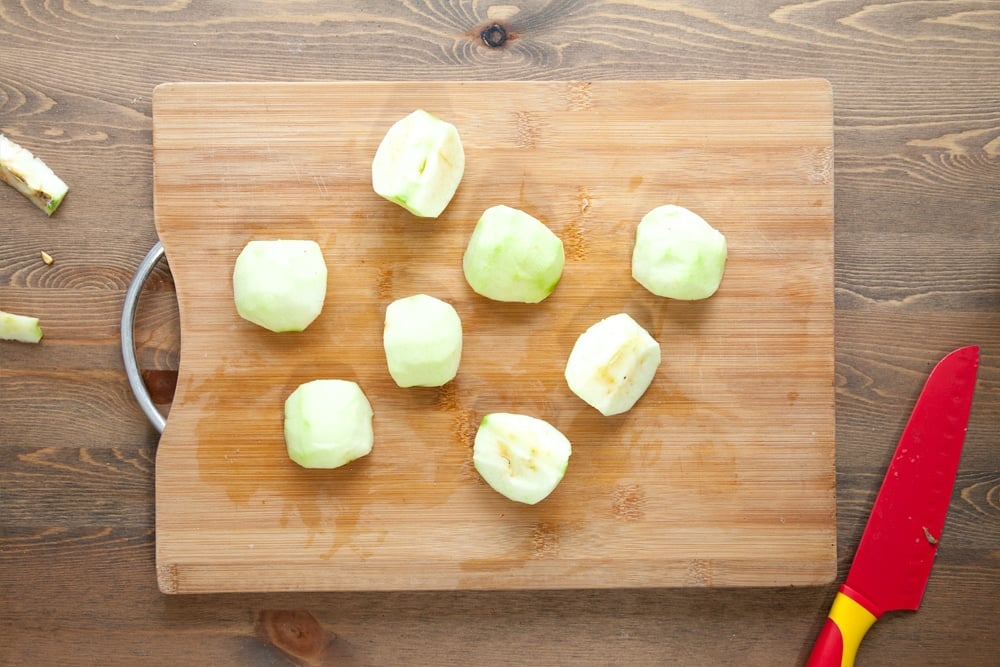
x=612 y=364
x=422 y=339
x=678 y=255
x=522 y=458
x=513 y=256
x=20 y=328
x=419 y=164
x=280 y=285
x=30 y=176
x=328 y=423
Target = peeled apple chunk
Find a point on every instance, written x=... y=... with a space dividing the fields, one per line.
x=612 y=364
x=512 y=256
x=328 y=423
x=30 y=176
x=419 y=164
x=677 y=254
x=522 y=458
x=280 y=285
x=20 y=328
x=422 y=340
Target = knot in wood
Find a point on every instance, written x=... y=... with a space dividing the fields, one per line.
x=494 y=35
x=297 y=633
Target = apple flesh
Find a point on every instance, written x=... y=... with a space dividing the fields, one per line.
x=30 y=176
x=328 y=423
x=422 y=339
x=677 y=254
x=280 y=285
x=522 y=458
x=419 y=164
x=612 y=364
x=512 y=256
x=20 y=328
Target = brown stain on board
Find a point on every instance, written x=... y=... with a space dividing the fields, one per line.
x=328 y=503
x=226 y=459
x=324 y=505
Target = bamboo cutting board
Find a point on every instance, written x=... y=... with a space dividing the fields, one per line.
x=723 y=473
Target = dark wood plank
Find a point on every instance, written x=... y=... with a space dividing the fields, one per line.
x=98 y=487
x=917 y=158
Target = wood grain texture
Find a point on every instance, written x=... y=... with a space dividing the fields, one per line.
x=722 y=476
x=916 y=93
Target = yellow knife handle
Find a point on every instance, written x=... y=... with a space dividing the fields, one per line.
x=850 y=617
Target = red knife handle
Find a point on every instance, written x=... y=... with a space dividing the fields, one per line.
x=850 y=617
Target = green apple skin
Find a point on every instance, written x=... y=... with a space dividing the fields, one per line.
x=612 y=364
x=513 y=257
x=281 y=284
x=419 y=164
x=677 y=254
x=522 y=458
x=328 y=423
x=30 y=176
x=422 y=339
x=20 y=328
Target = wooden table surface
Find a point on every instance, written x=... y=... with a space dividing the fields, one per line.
x=917 y=273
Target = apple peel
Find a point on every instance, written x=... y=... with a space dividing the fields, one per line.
x=19 y=328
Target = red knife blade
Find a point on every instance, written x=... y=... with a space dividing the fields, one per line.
x=894 y=558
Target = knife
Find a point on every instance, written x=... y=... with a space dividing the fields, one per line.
x=894 y=558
